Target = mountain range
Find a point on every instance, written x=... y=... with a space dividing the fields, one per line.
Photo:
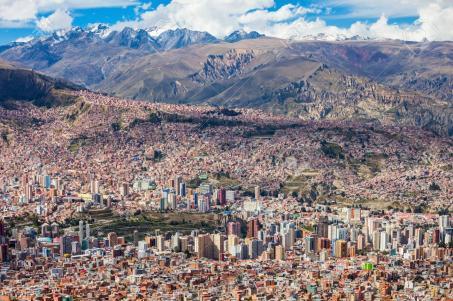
x=390 y=82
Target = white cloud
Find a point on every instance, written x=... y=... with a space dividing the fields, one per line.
x=60 y=19
x=390 y=8
x=221 y=17
x=19 y=10
x=218 y=17
x=141 y=8
x=50 y=5
x=25 y=39
x=25 y=11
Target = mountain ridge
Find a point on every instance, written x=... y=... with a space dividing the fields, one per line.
x=385 y=81
x=17 y=84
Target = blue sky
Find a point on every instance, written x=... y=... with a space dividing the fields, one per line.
x=281 y=18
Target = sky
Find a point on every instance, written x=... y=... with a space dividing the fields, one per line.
x=414 y=20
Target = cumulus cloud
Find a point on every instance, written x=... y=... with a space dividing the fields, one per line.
x=23 y=13
x=60 y=19
x=17 y=10
x=221 y=17
x=218 y=17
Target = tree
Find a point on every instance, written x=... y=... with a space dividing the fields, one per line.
x=434 y=187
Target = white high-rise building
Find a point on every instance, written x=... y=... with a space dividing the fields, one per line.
x=81 y=232
x=443 y=224
x=383 y=241
x=376 y=237
x=87 y=230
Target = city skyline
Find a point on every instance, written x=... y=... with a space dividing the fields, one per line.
x=226 y=150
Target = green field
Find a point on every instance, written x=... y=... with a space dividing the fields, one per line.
x=150 y=221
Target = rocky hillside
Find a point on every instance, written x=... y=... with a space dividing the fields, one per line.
x=223 y=66
x=25 y=85
x=423 y=67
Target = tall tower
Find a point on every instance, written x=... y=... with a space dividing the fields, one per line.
x=257 y=192
x=177 y=184
x=81 y=232
x=87 y=230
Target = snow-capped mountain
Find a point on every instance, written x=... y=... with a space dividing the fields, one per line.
x=328 y=37
x=130 y=38
x=239 y=35
x=180 y=38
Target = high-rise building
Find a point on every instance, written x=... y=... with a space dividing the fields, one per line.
x=182 y=189
x=124 y=189
x=75 y=248
x=436 y=236
x=279 y=253
x=206 y=189
x=4 y=252
x=55 y=229
x=253 y=226
x=418 y=237
x=255 y=248
x=221 y=197
x=233 y=228
x=376 y=236
x=323 y=244
x=176 y=242
x=66 y=244
x=87 y=230
x=352 y=250
x=113 y=239
x=94 y=186
x=322 y=228
x=29 y=192
x=172 y=200
x=340 y=248
x=444 y=223
x=288 y=239
x=349 y=215
x=310 y=244
x=218 y=250
x=204 y=246
x=160 y=243
x=24 y=241
x=233 y=240
x=332 y=232
x=195 y=200
x=184 y=240
x=135 y=237
x=361 y=242
x=45 y=230
x=383 y=241
x=230 y=195
x=47 y=181
x=204 y=203
x=177 y=183
x=2 y=228
x=257 y=192
x=81 y=232
x=241 y=251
